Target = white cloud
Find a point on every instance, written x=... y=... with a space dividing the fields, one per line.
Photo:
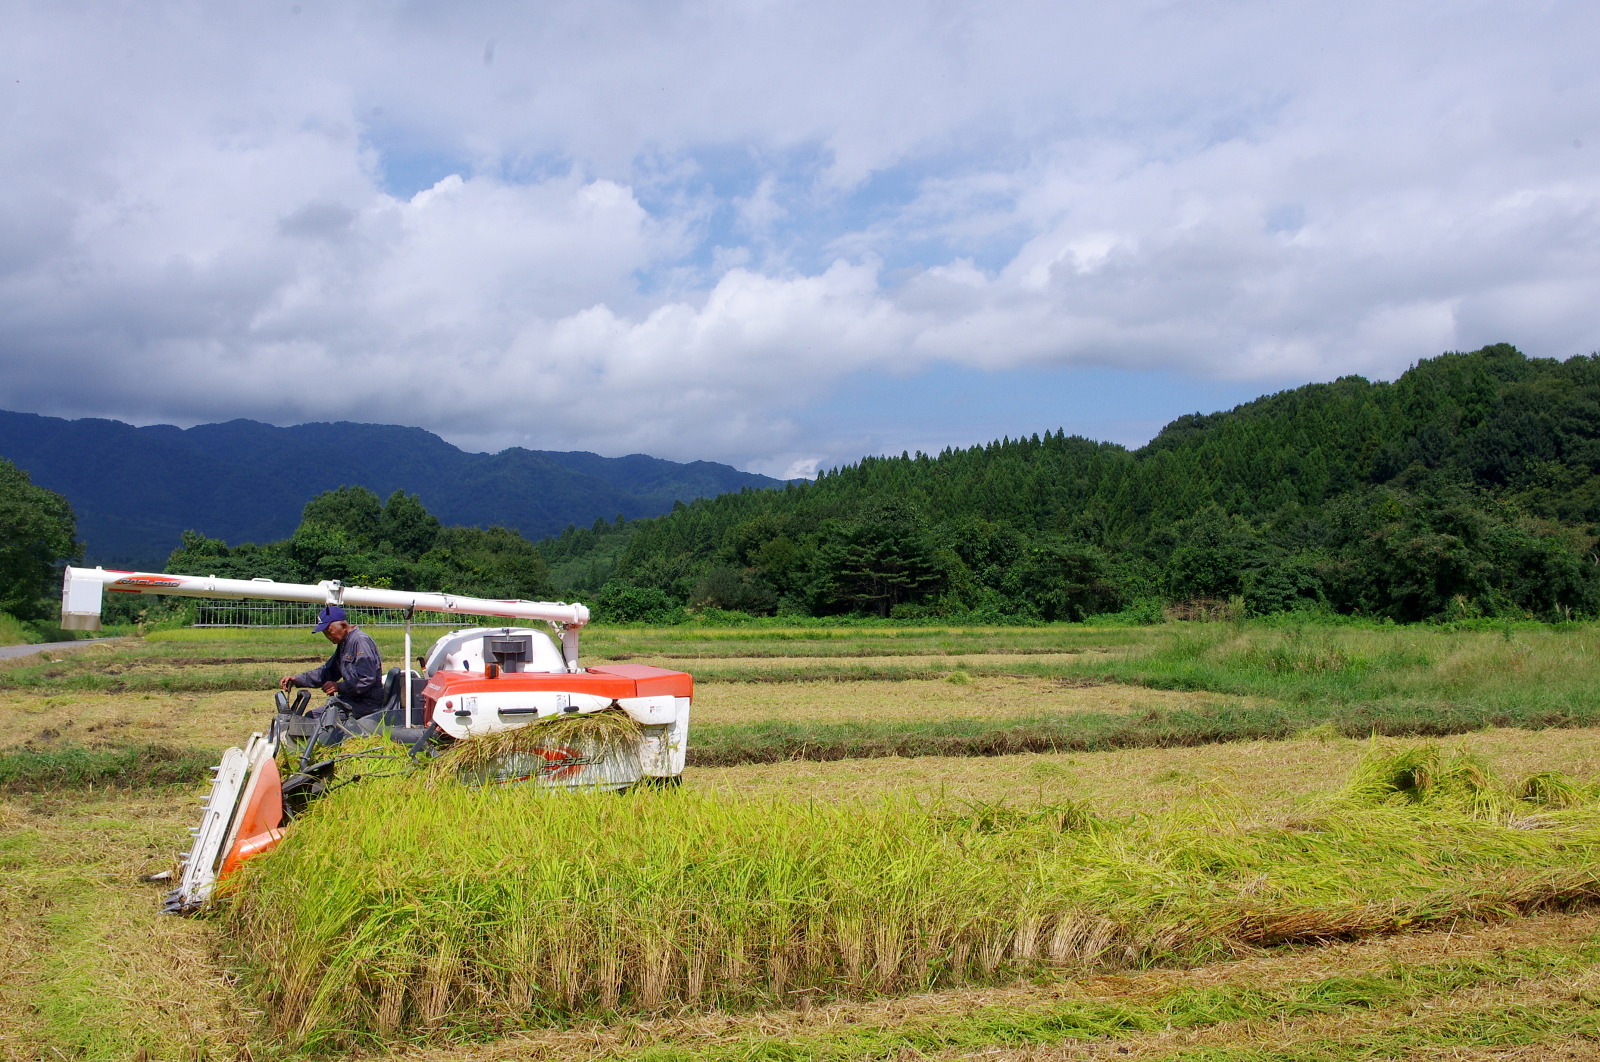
x=672 y=227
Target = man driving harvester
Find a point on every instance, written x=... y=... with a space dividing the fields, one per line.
x=353 y=674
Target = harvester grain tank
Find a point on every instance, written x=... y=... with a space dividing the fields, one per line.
x=475 y=683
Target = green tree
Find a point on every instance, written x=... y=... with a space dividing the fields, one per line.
x=882 y=557
x=199 y=555
x=407 y=526
x=325 y=551
x=735 y=589
x=1213 y=553
x=1062 y=580
x=38 y=533
x=354 y=510
x=625 y=603
x=487 y=562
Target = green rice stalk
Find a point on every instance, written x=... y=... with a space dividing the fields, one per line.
x=358 y=754
x=1551 y=789
x=1422 y=775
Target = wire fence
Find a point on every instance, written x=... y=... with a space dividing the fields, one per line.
x=209 y=613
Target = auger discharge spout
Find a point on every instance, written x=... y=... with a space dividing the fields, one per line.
x=82 y=590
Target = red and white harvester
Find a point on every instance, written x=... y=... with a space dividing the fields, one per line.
x=474 y=683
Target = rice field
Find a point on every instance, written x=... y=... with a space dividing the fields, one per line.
x=555 y=907
x=1209 y=872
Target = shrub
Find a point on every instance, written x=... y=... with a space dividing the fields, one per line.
x=626 y=603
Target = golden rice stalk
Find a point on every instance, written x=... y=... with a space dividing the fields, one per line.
x=358 y=753
x=599 y=735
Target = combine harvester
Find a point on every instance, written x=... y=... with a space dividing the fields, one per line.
x=476 y=683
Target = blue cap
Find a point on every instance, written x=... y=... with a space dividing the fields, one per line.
x=329 y=614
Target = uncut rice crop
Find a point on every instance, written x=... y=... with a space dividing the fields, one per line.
x=400 y=909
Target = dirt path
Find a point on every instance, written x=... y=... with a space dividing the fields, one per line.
x=9 y=652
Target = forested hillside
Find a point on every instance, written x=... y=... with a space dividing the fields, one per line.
x=1470 y=486
x=135 y=490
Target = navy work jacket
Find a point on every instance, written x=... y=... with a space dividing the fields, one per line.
x=356 y=668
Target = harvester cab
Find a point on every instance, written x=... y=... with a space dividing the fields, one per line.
x=511 y=696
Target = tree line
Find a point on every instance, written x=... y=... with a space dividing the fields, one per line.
x=1468 y=487
x=351 y=535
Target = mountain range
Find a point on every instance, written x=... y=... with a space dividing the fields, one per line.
x=136 y=490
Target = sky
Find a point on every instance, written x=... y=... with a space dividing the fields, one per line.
x=779 y=234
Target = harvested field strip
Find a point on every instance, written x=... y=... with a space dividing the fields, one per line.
x=608 y=637
x=92 y=970
x=207 y=722
x=1087 y=1031
x=164 y=679
x=731 y=745
x=881 y=669
x=811 y=652
x=1116 y=1010
x=774 y=742
x=177 y=675
x=76 y=767
x=1002 y=699
x=134 y=662
x=552 y=907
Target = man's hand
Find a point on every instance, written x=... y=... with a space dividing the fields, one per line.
x=285 y=682
x=330 y=688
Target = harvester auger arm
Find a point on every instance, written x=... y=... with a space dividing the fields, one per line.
x=81 y=590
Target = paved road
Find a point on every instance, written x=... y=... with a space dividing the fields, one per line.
x=9 y=651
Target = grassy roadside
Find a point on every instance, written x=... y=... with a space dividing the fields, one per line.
x=34 y=632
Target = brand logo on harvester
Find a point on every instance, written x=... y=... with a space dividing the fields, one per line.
x=564 y=764
x=147 y=580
